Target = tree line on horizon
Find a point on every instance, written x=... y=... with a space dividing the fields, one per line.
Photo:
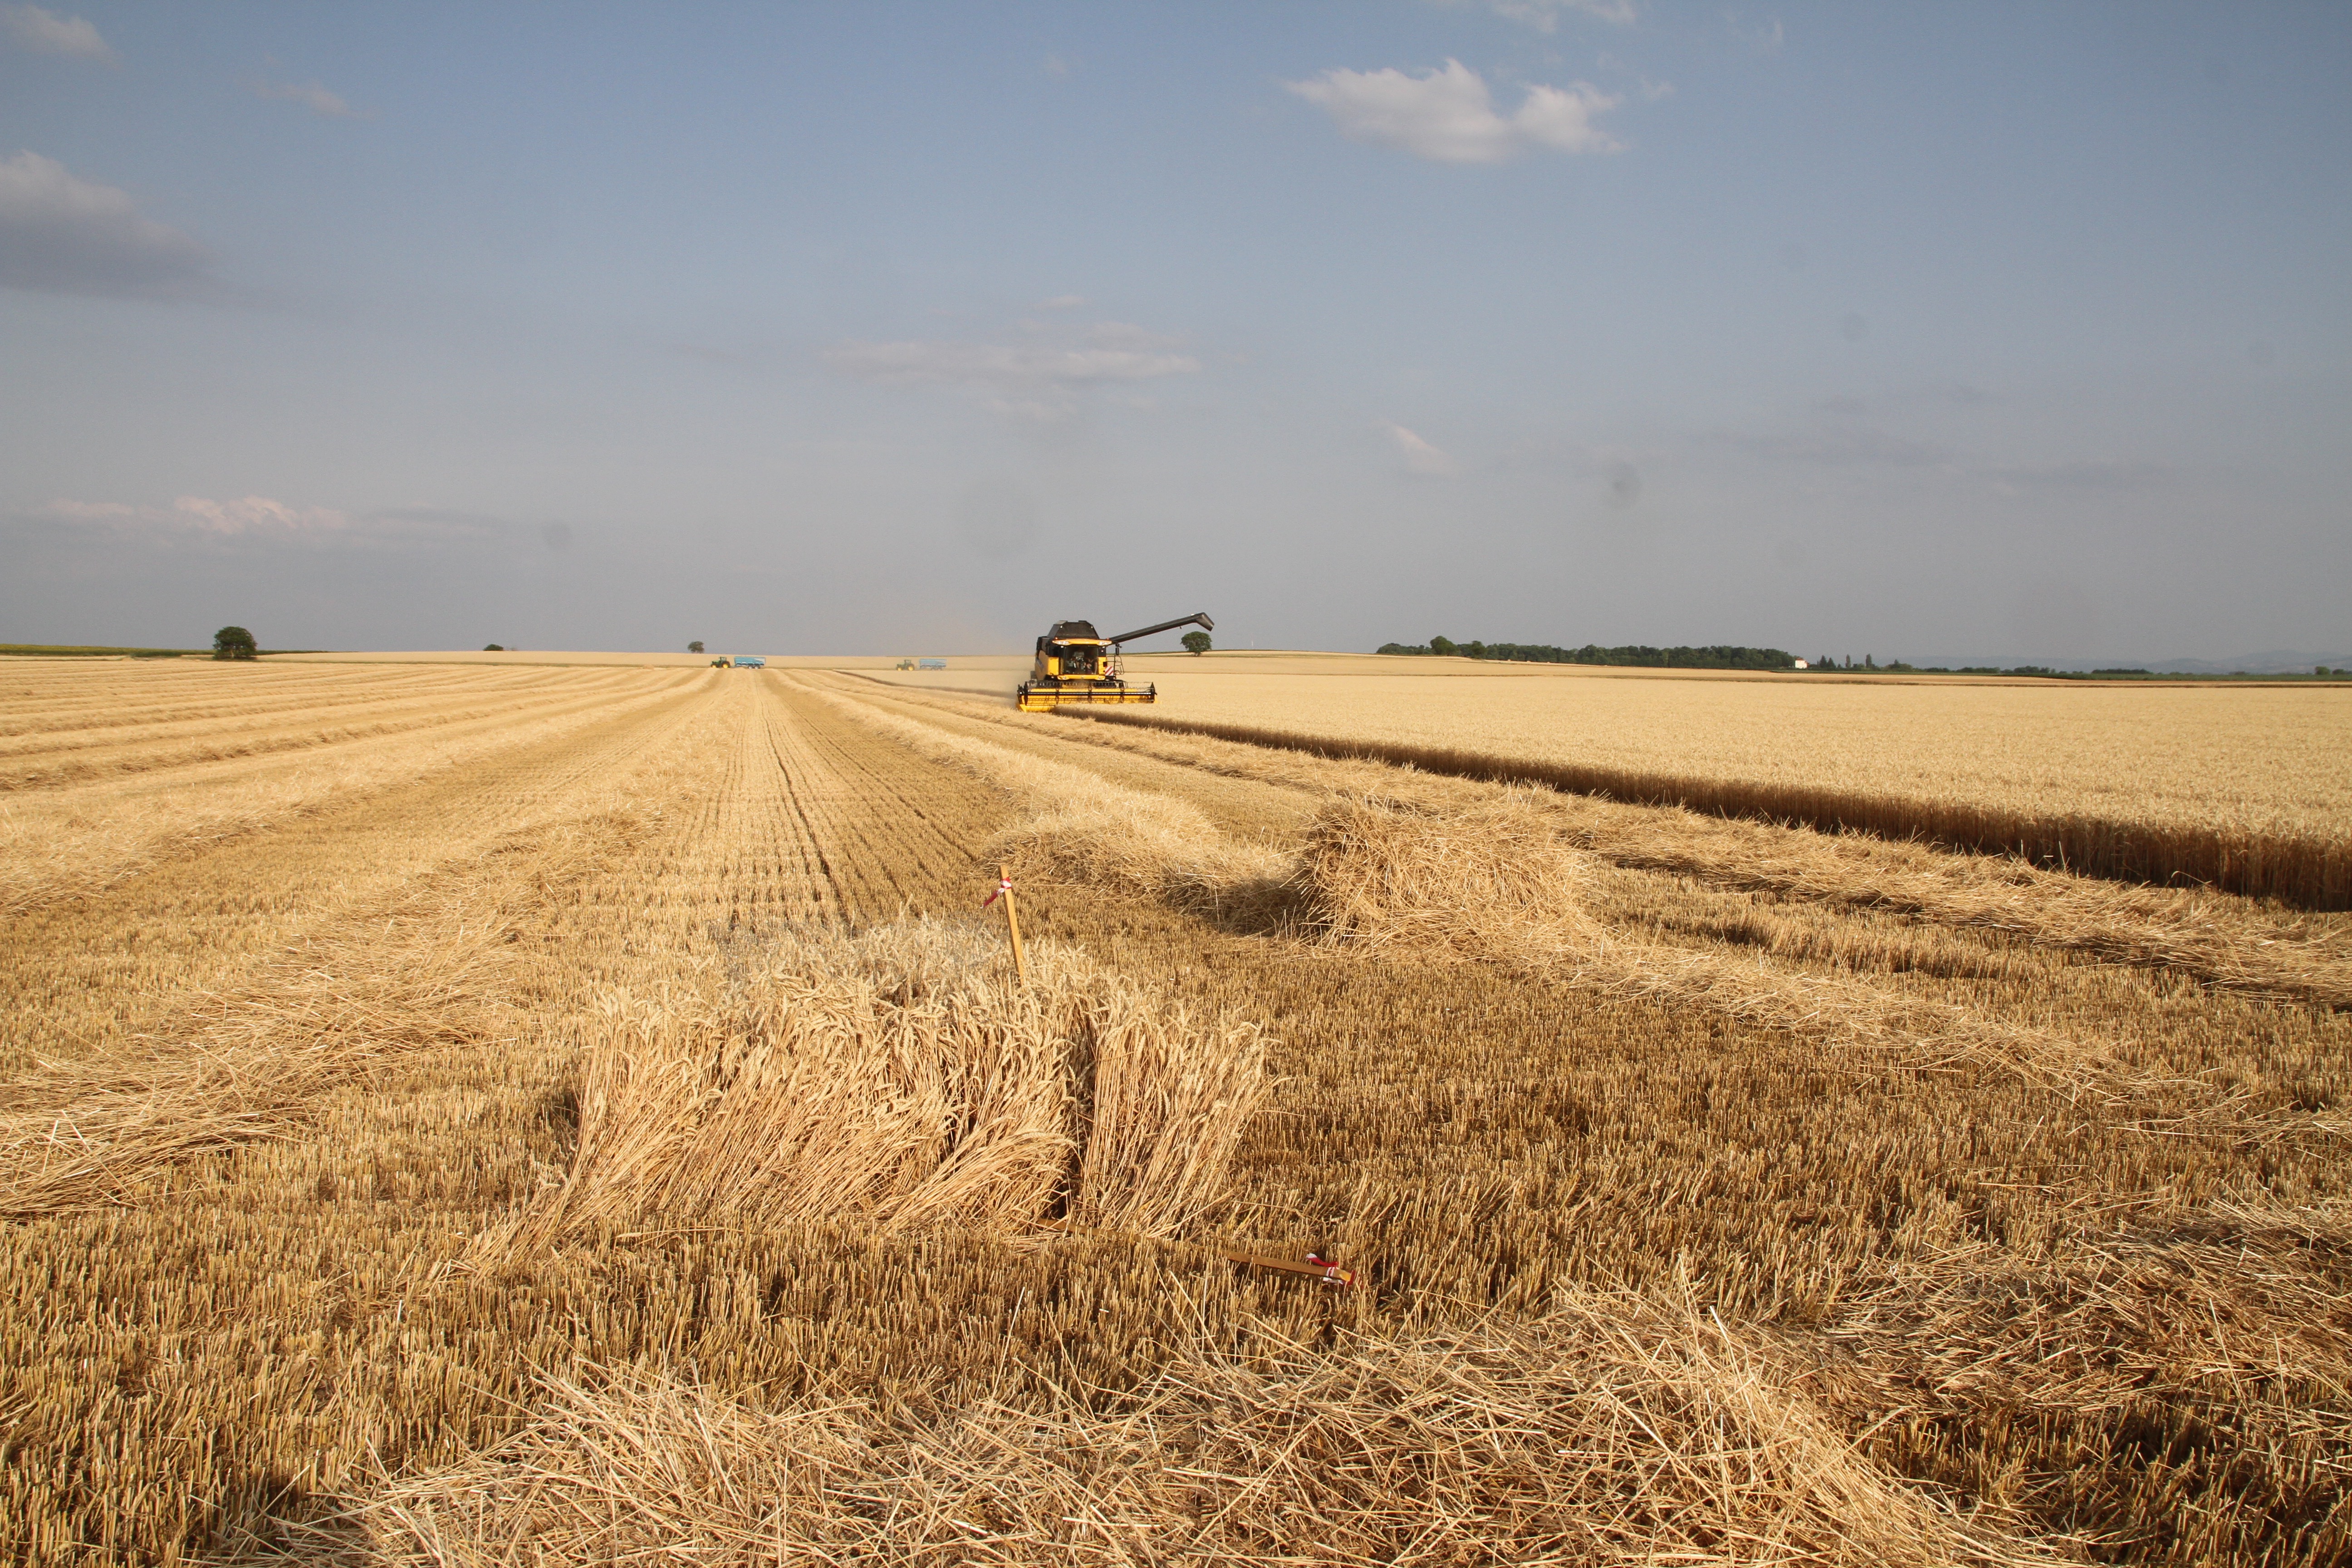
x=1718 y=655
x=1722 y=656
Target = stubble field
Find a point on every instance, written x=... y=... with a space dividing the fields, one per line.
x=483 y=1114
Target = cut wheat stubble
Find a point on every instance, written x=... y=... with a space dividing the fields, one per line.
x=1613 y=1429
x=1496 y=880
x=247 y=1067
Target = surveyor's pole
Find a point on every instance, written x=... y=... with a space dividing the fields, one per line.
x=1012 y=919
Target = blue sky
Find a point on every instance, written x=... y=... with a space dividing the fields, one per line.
x=1969 y=330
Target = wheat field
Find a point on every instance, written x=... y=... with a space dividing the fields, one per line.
x=486 y=1114
x=2240 y=787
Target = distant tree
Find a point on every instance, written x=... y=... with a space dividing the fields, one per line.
x=694 y=648
x=1444 y=647
x=233 y=642
x=1196 y=642
x=493 y=648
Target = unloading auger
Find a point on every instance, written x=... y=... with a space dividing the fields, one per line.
x=1076 y=664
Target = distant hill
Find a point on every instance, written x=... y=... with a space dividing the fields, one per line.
x=2277 y=661
x=2292 y=661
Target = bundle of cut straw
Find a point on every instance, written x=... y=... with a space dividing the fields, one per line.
x=903 y=1077
x=1494 y=881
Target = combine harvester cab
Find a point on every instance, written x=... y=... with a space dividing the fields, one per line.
x=1076 y=664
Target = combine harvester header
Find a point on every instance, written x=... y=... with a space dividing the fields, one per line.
x=1076 y=664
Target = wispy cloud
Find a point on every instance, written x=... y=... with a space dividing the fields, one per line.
x=1846 y=442
x=62 y=235
x=1421 y=457
x=1845 y=445
x=245 y=515
x=1544 y=16
x=46 y=32
x=1764 y=37
x=1003 y=364
x=311 y=96
x=2080 y=474
x=1034 y=379
x=1448 y=115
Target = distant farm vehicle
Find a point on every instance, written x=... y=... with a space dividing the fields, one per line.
x=905 y=664
x=931 y=664
x=1078 y=664
x=750 y=661
x=718 y=663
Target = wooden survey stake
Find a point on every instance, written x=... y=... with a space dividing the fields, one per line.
x=1012 y=922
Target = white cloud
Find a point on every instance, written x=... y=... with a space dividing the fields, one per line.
x=46 y=32
x=1419 y=457
x=247 y=514
x=254 y=514
x=1033 y=380
x=1448 y=115
x=311 y=96
x=67 y=235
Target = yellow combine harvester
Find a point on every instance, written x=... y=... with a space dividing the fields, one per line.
x=1077 y=665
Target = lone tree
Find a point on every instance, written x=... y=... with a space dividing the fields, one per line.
x=694 y=648
x=1196 y=642
x=494 y=648
x=233 y=642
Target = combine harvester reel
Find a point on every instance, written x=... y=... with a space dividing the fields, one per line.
x=1074 y=663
